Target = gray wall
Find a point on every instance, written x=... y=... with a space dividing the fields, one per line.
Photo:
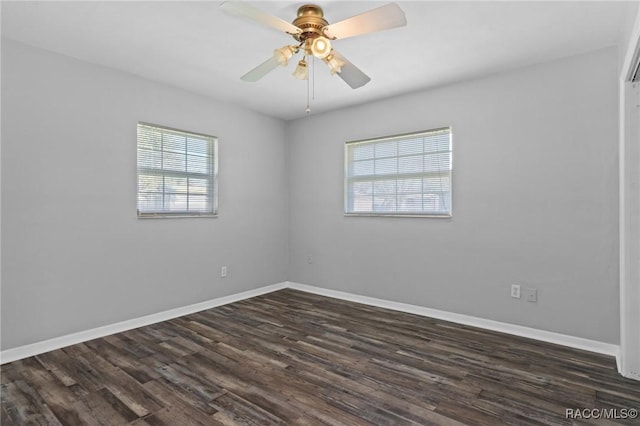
x=535 y=200
x=74 y=254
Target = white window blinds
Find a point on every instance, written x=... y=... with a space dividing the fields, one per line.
x=408 y=175
x=176 y=172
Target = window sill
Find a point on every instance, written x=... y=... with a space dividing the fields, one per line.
x=176 y=216
x=431 y=216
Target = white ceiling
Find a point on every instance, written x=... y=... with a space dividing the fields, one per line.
x=195 y=46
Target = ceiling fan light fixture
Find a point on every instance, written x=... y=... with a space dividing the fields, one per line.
x=321 y=47
x=335 y=64
x=301 y=72
x=315 y=36
x=283 y=55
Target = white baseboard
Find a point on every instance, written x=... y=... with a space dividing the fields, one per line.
x=517 y=330
x=26 y=351
x=37 y=348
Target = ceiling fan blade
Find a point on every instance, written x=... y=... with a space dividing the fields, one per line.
x=381 y=18
x=261 y=70
x=351 y=74
x=245 y=10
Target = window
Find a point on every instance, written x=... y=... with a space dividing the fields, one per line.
x=177 y=173
x=405 y=175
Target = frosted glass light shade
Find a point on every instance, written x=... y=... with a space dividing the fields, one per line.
x=335 y=64
x=301 y=72
x=283 y=55
x=321 y=47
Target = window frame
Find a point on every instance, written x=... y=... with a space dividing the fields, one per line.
x=213 y=140
x=448 y=215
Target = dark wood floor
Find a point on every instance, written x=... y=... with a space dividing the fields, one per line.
x=295 y=358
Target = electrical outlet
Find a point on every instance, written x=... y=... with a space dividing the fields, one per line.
x=531 y=294
x=309 y=259
x=223 y=271
x=515 y=291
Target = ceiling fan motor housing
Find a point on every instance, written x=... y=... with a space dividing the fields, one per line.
x=311 y=21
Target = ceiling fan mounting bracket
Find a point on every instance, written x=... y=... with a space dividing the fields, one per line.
x=311 y=21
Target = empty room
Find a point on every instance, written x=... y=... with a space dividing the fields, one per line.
x=337 y=213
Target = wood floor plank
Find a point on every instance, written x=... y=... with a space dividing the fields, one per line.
x=296 y=358
x=106 y=409
x=48 y=392
x=20 y=407
x=296 y=393
x=175 y=397
x=243 y=411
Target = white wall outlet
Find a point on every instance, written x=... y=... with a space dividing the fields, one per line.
x=531 y=294
x=515 y=291
x=309 y=259
x=223 y=271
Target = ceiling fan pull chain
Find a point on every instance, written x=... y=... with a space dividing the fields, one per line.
x=308 y=110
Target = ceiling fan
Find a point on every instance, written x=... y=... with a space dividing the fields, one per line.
x=313 y=35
